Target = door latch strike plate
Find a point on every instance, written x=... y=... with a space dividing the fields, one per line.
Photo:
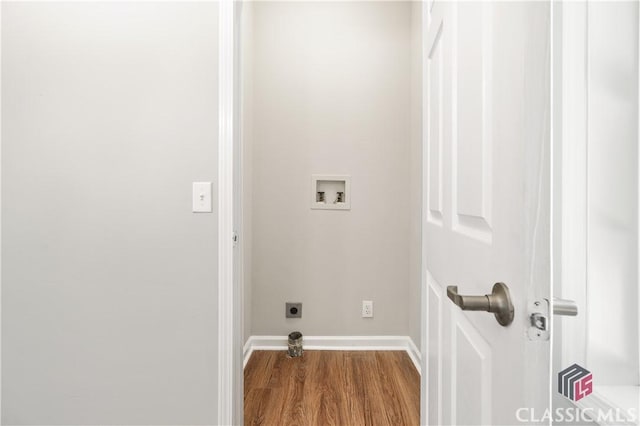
x=538 y=328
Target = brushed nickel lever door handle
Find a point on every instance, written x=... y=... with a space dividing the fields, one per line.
x=498 y=302
x=565 y=307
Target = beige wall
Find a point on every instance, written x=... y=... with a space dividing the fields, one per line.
x=332 y=94
x=246 y=100
x=415 y=194
x=109 y=308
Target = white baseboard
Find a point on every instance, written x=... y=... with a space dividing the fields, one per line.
x=246 y=352
x=415 y=355
x=337 y=343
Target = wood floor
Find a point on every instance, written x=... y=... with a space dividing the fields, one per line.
x=346 y=388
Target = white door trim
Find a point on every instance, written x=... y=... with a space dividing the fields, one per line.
x=571 y=216
x=0 y=221
x=571 y=176
x=228 y=366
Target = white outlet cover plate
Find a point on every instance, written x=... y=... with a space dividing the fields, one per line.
x=367 y=309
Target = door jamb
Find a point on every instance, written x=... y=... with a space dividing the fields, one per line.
x=229 y=371
x=570 y=180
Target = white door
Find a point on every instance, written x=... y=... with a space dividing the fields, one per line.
x=486 y=207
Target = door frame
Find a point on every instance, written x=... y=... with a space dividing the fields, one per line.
x=230 y=286
x=570 y=123
x=570 y=130
x=0 y=222
x=230 y=365
x=230 y=309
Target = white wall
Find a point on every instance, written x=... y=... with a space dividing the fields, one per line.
x=109 y=112
x=332 y=95
x=613 y=324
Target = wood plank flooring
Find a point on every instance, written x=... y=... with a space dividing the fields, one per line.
x=346 y=388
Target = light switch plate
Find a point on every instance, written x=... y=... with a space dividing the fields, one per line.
x=202 y=197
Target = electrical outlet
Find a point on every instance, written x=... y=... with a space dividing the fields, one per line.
x=367 y=309
x=293 y=310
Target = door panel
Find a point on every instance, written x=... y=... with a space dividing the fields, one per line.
x=471 y=114
x=470 y=373
x=486 y=206
x=434 y=124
